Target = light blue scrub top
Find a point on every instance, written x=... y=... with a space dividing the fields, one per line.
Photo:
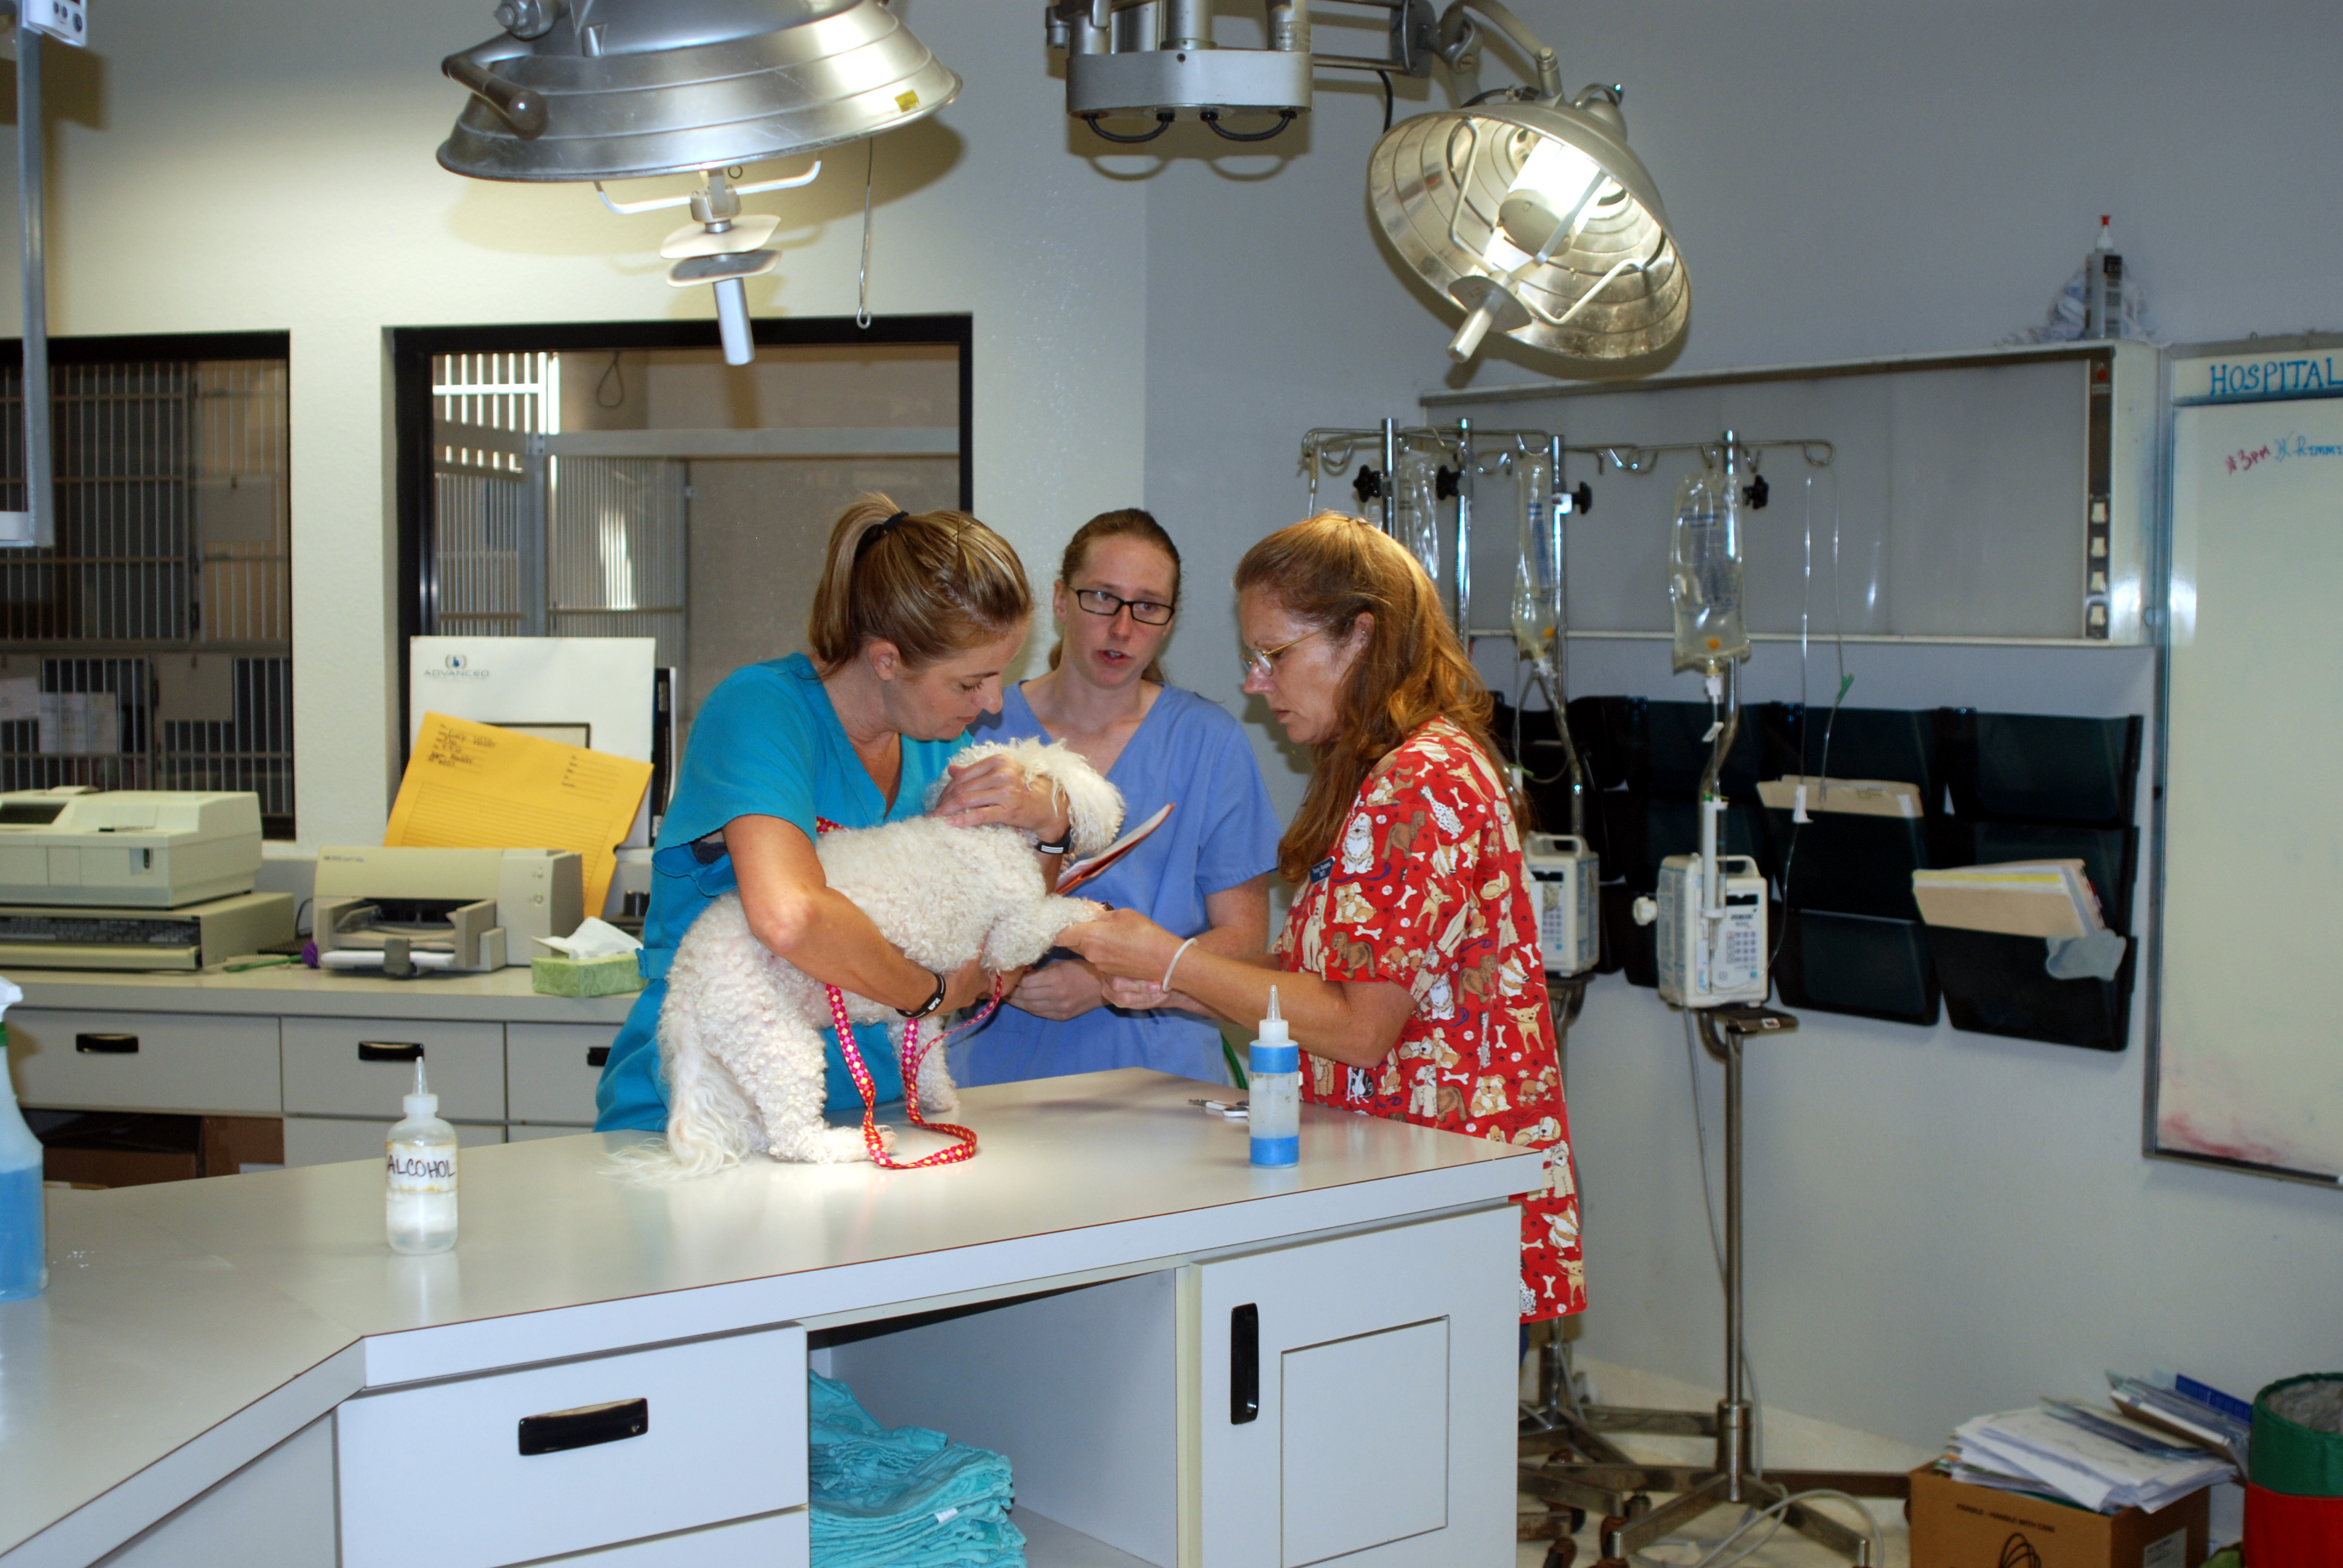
x=1221 y=832
x=765 y=743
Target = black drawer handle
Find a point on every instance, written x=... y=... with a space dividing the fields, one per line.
x=597 y=1056
x=106 y=1044
x=1244 y=1364
x=559 y=1430
x=389 y=1050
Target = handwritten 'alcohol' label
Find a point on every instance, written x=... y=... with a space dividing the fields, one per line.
x=422 y=1167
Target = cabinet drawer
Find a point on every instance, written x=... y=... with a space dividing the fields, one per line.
x=551 y=1068
x=331 y=1139
x=364 y=1067
x=774 y=1541
x=719 y=1434
x=191 y=1063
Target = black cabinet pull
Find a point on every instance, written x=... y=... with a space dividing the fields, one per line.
x=558 y=1430
x=1244 y=1364
x=597 y=1056
x=389 y=1050
x=106 y=1044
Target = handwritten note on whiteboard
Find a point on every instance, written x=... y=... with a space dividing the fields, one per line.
x=474 y=786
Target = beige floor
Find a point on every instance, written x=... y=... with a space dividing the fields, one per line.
x=1789 y=1440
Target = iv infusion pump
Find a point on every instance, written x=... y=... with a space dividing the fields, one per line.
x=1705 y=960
x=1714 y=956
x=1564 y=884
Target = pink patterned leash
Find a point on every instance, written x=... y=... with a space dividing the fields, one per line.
x=965 y=1146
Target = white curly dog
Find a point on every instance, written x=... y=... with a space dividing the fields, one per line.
x=741 y=1033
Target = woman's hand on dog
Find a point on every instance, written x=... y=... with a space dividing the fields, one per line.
x=995 y=791
x=1122 y=944
x=1145 y=995
x=1060 y=991
x=967 y=986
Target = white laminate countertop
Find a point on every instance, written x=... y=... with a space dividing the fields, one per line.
x=501 y=995
x=190 y=1325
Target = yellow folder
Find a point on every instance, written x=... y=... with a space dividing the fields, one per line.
x=476 y=785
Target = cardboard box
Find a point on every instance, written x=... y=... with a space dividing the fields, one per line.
x=1956 y=1525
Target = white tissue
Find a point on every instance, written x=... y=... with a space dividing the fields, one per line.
x=593 y=939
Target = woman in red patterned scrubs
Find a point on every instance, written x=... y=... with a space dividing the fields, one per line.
x=1409 y=964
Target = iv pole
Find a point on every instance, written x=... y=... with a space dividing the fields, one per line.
x=36 y=526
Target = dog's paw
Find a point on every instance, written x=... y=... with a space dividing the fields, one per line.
x=845 y=1145
x=939 y=1099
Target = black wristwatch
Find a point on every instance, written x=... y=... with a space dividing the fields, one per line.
x=1065 y=842
x=935 y=1000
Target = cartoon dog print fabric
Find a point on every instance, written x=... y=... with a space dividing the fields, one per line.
x=1425 y=888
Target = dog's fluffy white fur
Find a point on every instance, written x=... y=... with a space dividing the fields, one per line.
x=741 y=1035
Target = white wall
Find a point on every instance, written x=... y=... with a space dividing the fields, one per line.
x=1940 y=1224
x=268 y=166
x=1943 y=1223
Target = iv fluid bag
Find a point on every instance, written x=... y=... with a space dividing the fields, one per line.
x=1704 y=572
x=1416 y=519
x=1537 y=568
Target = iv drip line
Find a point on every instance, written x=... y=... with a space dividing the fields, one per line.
x=862 y=277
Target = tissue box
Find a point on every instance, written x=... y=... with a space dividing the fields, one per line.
x=613 y=975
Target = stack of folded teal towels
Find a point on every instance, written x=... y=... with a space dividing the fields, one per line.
x=909 y=1498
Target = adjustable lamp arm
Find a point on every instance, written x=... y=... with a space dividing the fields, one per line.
x=1458 y=37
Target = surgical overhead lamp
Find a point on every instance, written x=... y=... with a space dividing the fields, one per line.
x=620 y=89
x=1158 y=60
x=1531 y=213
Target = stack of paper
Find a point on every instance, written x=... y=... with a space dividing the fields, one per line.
x=2188 y=1411
x=2097 y=1459
x=2027 y=899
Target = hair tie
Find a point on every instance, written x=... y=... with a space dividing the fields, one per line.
x=879 y=532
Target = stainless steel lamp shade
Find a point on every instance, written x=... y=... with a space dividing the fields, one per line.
x=1538 y=221
x=614 y=89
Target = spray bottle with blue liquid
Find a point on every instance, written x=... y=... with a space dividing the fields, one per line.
x=24 y=1241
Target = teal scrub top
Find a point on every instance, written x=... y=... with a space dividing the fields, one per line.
x=765 y=743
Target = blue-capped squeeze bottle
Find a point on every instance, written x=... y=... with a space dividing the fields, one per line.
x=1275 y=1071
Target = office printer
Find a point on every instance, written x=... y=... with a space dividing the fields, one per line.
x=395 y=909
x=133 y=878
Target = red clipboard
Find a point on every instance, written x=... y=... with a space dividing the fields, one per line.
x=1081 y=871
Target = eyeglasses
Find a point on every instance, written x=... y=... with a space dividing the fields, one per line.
x=1262 y=661
x=1145 y=611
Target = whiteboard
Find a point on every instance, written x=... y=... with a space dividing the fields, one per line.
x=2249 y=1054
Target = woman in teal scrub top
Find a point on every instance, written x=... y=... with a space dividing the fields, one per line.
x=914 y=619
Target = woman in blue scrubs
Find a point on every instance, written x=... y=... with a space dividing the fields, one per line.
x=1203 y=874
x=914 y=619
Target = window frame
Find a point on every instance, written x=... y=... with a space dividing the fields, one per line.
x=413 y=348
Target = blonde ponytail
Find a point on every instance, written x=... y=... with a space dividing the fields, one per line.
x=932 y=583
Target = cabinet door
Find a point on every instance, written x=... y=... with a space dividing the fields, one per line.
x=1357 y=1399
x=551 y=1071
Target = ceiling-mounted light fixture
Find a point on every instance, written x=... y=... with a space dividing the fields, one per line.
x=1158 y=60
x=1530 y=212
x=620 y=89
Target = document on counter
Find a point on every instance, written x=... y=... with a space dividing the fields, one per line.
x=474 y=786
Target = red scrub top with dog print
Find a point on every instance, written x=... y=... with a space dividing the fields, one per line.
x=1425 y=888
